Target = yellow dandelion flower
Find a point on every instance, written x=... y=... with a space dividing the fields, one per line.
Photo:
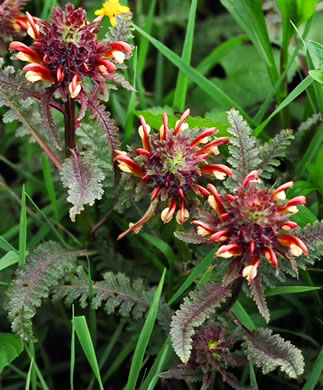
x=112 y=8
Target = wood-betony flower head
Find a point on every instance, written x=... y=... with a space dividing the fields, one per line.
x=11 y=18
x=67 y=50
x=250 y=225
x=170 y=164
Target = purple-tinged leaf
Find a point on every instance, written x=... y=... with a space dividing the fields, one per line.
x=258 y=296
x=47 y=118
x=108 y=125
x=269 y=351
x=195 y=309
x=83 y=178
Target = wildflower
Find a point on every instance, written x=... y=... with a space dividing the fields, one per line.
x=249 y=225
x=67 y=50
x=212 y=353
x=11 y=18
x=170 y=163
x=111 y=9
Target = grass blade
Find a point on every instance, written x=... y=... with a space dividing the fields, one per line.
x=6 y=246
x=160 y=362
x=23 y=229
x=144 y=43
x=253 y=379
x=144 y=337
x=243 y=316
x=83 y=334
x=292 y=96
x=129 y=128
x=72 y=360
x=50 y=185
x=289 y=290
x=182 y=80
x=211 y=89
x=315 y=374
x=196 y=272
x=9 y=259
x=124 y=353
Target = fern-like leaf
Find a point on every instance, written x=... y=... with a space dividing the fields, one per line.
x=244 y=154
x=44 y=268
x=97 y=146
x=195 y=309
x=183 y=372
x=258 y=296
x=272 y=150
x=116 y=291
x=312 y=235
x=123 y=29
x=83 y=178
x=268 y=351
x=190 y=237
x=47 y=116
x=108 y=125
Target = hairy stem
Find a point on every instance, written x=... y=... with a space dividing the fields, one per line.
x=69 y=122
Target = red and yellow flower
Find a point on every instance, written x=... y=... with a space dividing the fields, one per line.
x=249 y=225
x=12 y=21
x=67 y=50
x=170 y=164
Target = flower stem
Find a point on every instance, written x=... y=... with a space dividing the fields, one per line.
x=69 y=122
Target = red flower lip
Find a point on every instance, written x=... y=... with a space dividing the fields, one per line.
x=230 y=250
x=296 y=245
x=40 y=71
x=134 y=167
x=254 y=175
x=204 y=134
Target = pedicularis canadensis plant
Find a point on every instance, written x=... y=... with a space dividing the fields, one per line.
x=221 y=207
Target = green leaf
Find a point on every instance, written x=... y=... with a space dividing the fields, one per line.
x=297 y=10
x=316 y=50
x=243 y=316
x=197 y=271
x=182 y=80
x=161 y=361
x=10 y=348
x=289 y=290
x=317 y=75
x=9 y=259
x=23 y=229
x=144 y=337
x=154 y=117
x=249 y=15
x=83 y=334
x=314 y=376
x=82 y=177
x=50 y=184
x=301 y=87
x=211 y=89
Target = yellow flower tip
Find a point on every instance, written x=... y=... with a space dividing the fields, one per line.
x=111 y=9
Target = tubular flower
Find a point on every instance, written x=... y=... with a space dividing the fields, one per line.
x=249 y=225
x=67 y=49
x=12 y=20
x=111 y=9
x=170 y=163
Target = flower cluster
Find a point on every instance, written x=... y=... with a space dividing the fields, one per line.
x=12 y=21
x=170 y=164
x=67 y=50
x=212 y=354
x=251 y=223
